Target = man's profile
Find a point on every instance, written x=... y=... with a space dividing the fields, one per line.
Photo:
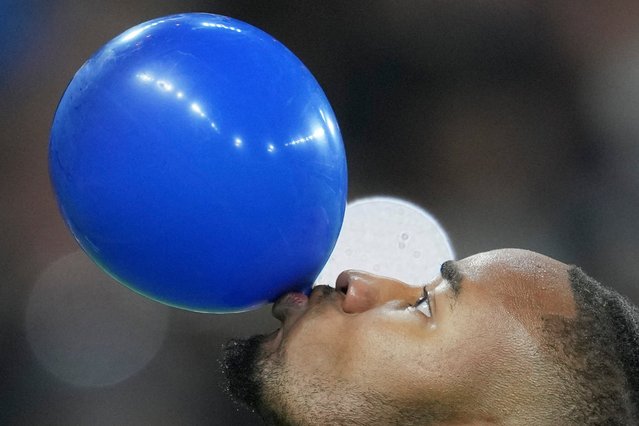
x=507 y=337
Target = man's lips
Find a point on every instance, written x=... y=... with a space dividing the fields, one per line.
x=289 y=304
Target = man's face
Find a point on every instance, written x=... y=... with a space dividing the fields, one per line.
x=362 y=354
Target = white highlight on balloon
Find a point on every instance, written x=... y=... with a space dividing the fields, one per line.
x=317 y=134
x=166 y=86
x=145 y=77
x=329 y=122
x=88 y=330
x=222 y=26
x=137 y=31
x=389 y=237
x=195 y=107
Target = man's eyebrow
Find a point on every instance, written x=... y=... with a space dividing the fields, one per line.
x=450 y=272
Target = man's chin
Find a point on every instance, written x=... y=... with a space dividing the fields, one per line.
x=241 y=366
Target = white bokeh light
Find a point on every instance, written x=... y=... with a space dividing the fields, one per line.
x=388 y=237
x=88 y=330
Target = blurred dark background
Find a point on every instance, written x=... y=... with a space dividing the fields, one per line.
x=515 y=122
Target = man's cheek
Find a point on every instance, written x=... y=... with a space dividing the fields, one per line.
x=320 y=348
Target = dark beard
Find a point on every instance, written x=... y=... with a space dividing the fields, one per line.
x=240 y=365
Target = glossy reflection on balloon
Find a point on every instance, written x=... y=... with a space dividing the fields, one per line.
x=198 y=161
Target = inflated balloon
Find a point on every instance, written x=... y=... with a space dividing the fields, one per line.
x=198 y=162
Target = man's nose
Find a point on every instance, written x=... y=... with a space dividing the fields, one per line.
x=365 y=291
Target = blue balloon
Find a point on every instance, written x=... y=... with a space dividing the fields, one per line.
x=197 y=160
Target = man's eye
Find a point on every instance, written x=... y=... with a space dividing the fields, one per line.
x=423 y=304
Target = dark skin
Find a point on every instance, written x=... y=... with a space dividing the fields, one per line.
x=366 y=354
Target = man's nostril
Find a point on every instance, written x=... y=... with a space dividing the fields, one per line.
x=342 y=282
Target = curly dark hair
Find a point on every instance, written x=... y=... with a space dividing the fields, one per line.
x=597 y=354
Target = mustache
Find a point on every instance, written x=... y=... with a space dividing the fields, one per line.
x=240 y=364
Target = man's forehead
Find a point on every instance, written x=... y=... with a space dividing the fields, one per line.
x=517 y=261
x=526 y=281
